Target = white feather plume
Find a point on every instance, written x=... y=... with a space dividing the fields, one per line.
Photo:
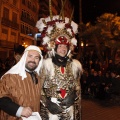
x=50 y=28
x=46 y=39
x=75 y=27
x=73 y=24
x=60 y=25
x=56 y=17
x=40 y=25
x=74 y=41
x=69 y=30
x=66 y=20
x=47 y=19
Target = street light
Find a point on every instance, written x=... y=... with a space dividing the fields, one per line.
x=24 y=44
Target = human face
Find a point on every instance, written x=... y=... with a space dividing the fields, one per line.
x=62 y=50
x=113 y=74
x=32 y=60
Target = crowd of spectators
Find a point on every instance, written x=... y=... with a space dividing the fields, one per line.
x=101 y=80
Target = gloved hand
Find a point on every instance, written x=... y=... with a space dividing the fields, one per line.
x=69 y=99
x=53 y=107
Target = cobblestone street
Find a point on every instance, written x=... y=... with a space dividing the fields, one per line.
x=99 y=110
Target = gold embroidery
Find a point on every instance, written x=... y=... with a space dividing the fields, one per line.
x=59 y=80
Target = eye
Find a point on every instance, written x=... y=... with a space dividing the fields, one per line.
x=29 y=55
x=37 y=57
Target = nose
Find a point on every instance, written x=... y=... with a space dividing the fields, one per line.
x=32 y=59
x=64 y=48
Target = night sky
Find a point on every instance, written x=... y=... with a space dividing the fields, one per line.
x=91 y=9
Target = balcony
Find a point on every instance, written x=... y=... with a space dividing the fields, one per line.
x=9 y=23
x=6 y=44
x=28 y=21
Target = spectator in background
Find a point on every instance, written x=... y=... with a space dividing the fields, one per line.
x=10 y=61
x=101 y=86
x=1 y=67
x=115 y=79
x=111 y=66
x=18 y=52
x=96 y=66
x=118 y=68
x=94 y=84
x=84 y=82
x=104 y=67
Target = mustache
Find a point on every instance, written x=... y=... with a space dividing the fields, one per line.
x=31 y=62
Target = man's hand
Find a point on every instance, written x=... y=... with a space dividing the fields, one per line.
x=69 y=99
x=53 y=107
x=26 y=112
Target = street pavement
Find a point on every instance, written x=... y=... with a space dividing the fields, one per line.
x=93 y=109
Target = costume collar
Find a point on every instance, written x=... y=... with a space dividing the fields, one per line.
x=60 y=61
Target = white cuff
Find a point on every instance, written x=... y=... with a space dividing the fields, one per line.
x=19 y=111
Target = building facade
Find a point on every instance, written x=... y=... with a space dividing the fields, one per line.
x=56 y=8
x=17 y=24
x=28 y=17
x=18 y=19
x=9 y=26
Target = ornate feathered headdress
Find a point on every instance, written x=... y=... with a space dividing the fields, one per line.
x=57 y=29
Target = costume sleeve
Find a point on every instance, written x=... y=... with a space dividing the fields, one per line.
x=8 y=106
x=7 y=88
x=77 y=70
x=42 y=78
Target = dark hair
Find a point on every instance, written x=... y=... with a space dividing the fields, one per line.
x=19 y=49
x=56 y=46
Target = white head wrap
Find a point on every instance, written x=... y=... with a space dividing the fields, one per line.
x=19 y=68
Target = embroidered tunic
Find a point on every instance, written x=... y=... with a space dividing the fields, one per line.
x=58 y=82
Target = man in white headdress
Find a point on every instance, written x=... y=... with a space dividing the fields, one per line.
x=20 y=86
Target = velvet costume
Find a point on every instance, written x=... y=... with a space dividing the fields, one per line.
x=20 y=87
x=23 y=92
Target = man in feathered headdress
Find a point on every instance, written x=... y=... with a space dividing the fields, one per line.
x=61 y=74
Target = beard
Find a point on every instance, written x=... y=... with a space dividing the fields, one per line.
x=31 y=66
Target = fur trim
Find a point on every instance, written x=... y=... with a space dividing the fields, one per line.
x=75 y=64
x=77 y=68
x=48 y=65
